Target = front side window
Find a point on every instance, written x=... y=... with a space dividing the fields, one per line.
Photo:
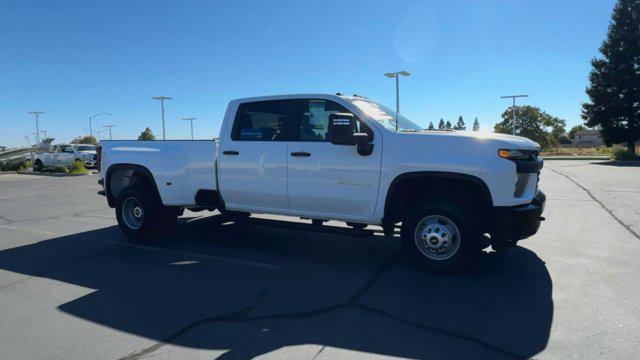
x=263 y=120
x=313 y=122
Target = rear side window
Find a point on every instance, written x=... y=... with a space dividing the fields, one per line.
x=263 y=120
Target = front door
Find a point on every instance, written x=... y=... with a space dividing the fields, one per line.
x=330 y=179
x=253 y=158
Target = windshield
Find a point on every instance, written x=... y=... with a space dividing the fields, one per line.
x=385 y=116
x=86 y=148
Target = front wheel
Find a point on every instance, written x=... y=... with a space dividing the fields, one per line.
x=38 y=165
x=141 y=216
x=440 y=236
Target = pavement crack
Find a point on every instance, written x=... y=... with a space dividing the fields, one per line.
x=319 y=352
x=242 y=316
x=634 y=233
x=441 y=331
x=9 y=221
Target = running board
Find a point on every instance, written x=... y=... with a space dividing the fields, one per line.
x=308 y=227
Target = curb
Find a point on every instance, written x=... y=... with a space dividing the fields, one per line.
x=576 y=157
x=50 y=174
x=8 y=172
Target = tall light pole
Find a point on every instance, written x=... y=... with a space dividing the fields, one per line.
x=37 y=114
x=91 y=118
x=162 y=99
x=397 y=75
x=108 y=126
x=513 y=109
x=28 y=141
x=191 y=121
x=100 y=132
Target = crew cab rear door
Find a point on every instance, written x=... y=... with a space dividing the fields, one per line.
x=329 y=179
x=253 y=157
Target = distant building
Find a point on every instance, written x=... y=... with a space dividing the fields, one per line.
x=588 y=138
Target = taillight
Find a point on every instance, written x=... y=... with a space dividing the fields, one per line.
x=98 y=156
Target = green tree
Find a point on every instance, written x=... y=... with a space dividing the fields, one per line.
x=88 y=140
x=431 y=125
x=146 y=135
x=533 y=123
x=447 y=126
x=614 y=90
x=572 y=132
x=476 y=125
x=460 y=125
x=441 y=124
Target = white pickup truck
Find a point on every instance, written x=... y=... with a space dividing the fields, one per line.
x=67 y=154
x=334 y=157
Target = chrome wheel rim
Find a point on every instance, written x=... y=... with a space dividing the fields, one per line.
x=132 y=213
x=437 y=237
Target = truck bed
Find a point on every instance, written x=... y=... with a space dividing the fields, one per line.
x=180 y=167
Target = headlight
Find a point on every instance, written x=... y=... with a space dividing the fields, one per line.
x=514 y=153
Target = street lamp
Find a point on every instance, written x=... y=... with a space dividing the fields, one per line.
x=190 y=120
x=396 y=75
x=94 y=116
x=100 y=132
x=45 y=133
x=28 y=141
x=37 y=114
x=513 y=110
x=162 y=99
x=108 y=126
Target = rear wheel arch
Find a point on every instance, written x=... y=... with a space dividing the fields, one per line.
x=120 y=176
x=407 y=189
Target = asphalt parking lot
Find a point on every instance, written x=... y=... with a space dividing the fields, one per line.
x=72 y=287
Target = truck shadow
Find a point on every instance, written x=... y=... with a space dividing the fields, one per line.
x=250 y=290
x=635 y=163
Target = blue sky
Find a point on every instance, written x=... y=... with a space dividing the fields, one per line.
x=73 y=59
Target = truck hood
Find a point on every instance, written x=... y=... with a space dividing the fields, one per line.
x=501 y=140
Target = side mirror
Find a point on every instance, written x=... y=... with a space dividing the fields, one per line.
x=342 y=130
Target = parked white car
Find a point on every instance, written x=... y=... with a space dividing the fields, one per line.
x=67 y=154
x=335 y=157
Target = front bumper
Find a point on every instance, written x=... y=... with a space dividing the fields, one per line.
x=519 y=222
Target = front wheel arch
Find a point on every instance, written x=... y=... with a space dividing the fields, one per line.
x=407 y=189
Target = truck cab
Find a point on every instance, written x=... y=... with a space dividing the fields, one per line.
x=351 y=159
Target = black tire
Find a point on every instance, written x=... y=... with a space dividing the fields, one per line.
x=156 y=220
x=38 y=166
x=445 y=213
